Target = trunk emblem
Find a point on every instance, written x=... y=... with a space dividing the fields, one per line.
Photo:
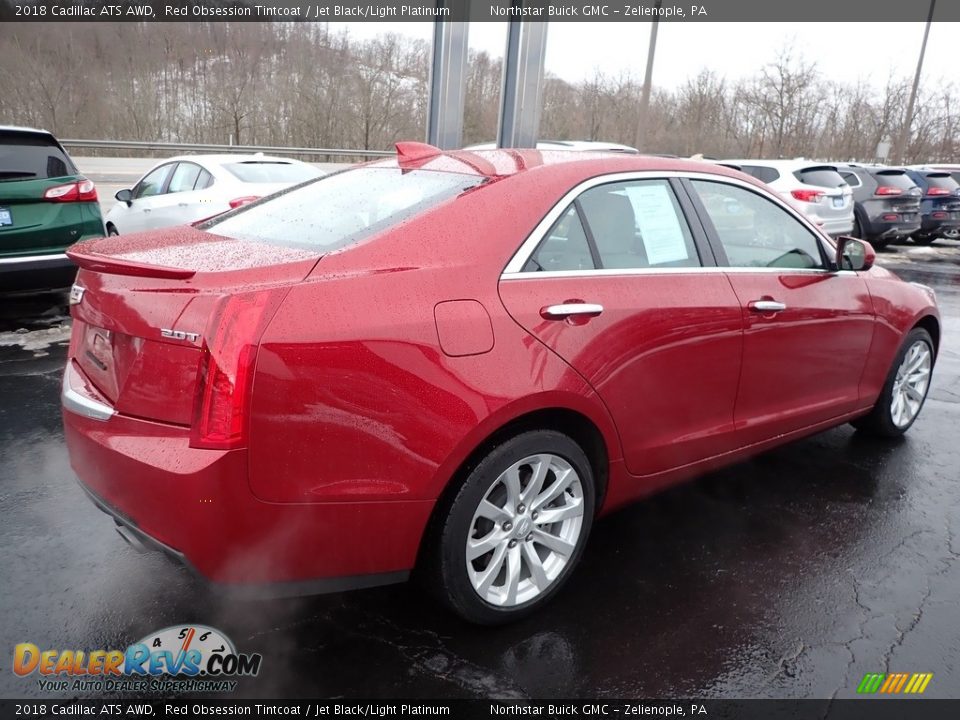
x=76 y=294
x=179 y=335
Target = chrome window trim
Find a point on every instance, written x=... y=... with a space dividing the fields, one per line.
x=715 y=270
x=515 y=266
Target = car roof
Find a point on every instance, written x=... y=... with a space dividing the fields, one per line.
x=223 y=158
x=785 y=165
x=520 y=161
x=24 y=130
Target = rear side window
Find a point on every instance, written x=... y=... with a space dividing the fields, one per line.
x=32 y=157
x=820 y=176
x=256 y=171
x=761 y=173
x=851 y=179
x=204 y=180
x=184 y=178
x=341 y=208
x=620 y=226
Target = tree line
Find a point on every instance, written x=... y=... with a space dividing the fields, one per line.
x=301 y=84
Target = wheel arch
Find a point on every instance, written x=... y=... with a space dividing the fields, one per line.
x=932 y=326
x=575 y=424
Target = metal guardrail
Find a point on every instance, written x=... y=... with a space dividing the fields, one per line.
x=209 y=148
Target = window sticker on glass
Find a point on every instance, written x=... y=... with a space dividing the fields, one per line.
x=658 y=223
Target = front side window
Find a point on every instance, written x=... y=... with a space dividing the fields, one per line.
x=755 y=231
x=619 y=226
x=153 y=183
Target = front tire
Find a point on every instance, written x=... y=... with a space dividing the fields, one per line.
x=923 y=239
x=515 y=529
x=905 y=390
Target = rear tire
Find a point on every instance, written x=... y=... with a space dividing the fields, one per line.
x=923 y=239
x=905 y=389
x=857 y=230
x=112 y=231
x=516 y=528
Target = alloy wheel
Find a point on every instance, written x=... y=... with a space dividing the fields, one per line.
x=911 y=384
x=525 y=530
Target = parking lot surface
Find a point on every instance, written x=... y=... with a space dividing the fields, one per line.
x=791 y=575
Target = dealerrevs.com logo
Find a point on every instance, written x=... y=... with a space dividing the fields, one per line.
x=180 y=658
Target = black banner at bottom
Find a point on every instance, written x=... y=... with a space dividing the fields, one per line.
x=847 y=709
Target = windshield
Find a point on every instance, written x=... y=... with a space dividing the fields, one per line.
x=271 y=171
x=343 y=208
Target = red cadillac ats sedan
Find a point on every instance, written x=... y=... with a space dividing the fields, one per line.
x=455 y=361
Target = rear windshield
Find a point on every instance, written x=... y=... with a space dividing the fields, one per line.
x=942 y=180
x=894 y=178
x=820 y=176
x=32 y=157
x=343 y=208
x=761 y=173
x=266 y=171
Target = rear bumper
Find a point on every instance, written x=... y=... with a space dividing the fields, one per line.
x=36 y=272
x=835 y=226
x=930 y=226
x=881 y=230
x=196 y=507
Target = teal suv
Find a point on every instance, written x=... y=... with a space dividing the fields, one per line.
x=46 y=205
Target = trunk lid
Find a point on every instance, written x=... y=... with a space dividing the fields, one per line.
x=144 y=306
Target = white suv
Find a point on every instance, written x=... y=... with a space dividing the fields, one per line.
x=816 y=189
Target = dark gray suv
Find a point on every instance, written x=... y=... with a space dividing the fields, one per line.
x=886 y=202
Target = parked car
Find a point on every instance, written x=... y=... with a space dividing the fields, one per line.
x=184 y=189
x=818 y=189
x=455 y=361
x=574 y=145
x=940 y=207
x=46 y=205
x=954 y=170
x=886 y=202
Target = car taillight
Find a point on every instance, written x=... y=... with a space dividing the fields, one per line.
x=807 y=195
x=937 y=191
x=940 y=215
x=888 y=190
x=81 y=191
x=225 y=375
x=241 y=201
x=891 y=216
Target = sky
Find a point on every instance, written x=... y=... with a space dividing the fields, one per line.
x=732 y=50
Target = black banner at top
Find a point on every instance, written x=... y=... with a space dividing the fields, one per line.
x=851 y=11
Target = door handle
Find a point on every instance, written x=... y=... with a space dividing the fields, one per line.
x=183 y=204
x=565 y=310
x=767 y=306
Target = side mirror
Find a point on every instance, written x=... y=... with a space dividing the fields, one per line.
x=125 y=196
x=854 y=254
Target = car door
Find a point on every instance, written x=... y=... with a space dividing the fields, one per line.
x=146 y=196
x=807 y=328
x=181 y=203
x=619 y=283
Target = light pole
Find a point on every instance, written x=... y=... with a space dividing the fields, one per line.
x=908 y=121
x=647 y=80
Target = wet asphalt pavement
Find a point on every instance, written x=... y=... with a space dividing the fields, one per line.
x=791 y=575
